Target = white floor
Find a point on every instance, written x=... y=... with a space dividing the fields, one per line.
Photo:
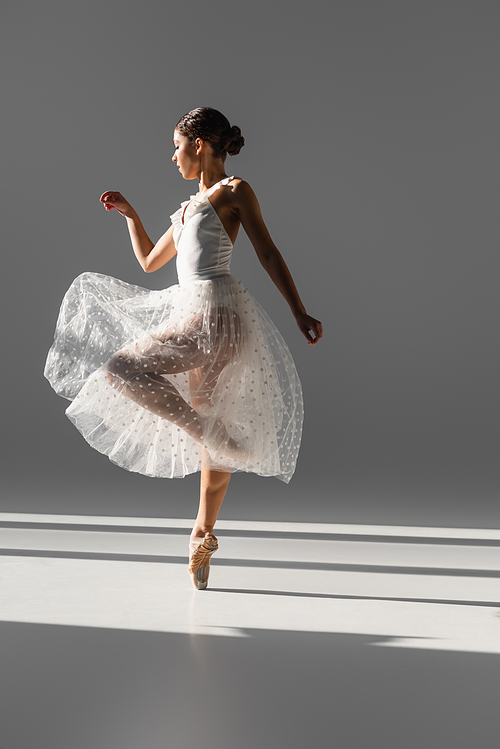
x=354 y=635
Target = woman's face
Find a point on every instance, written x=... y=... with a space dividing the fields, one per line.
x=185 y=156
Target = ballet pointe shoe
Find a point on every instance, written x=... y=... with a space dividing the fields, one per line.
x=200 y=553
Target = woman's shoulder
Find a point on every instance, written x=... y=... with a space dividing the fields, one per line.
x=241 y=191
x=237 y=184
x=236 y=197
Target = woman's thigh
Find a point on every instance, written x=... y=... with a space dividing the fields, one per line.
x=203 y=344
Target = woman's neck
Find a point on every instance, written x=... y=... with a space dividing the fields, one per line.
x=210 y=174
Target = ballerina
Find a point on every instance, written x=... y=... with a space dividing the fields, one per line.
x=195 y=377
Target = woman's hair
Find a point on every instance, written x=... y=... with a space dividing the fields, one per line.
x=211 y=125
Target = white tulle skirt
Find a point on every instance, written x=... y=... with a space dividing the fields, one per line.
x=148 y=371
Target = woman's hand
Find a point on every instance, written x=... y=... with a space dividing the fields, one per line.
x=310 y=327
x=111 y=199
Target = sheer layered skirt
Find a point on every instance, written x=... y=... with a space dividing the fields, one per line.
x=161 y=380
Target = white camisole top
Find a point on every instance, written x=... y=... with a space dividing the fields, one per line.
x=203 y=246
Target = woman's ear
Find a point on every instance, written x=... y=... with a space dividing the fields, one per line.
x=199 y=145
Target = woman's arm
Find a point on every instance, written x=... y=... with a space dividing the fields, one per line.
x=249 y=213
x=150 y=256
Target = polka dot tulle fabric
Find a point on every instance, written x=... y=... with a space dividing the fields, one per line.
x=160 y=379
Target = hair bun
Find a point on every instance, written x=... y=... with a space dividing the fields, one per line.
x=235 y=141
x=211 y=125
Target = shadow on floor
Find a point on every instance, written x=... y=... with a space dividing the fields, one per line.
x=80 y=688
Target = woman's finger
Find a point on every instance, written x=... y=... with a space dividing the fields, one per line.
x=109 y=195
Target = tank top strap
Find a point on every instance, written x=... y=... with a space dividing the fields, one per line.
x=220 y=183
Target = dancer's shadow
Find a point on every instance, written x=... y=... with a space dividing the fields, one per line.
x=401 y=599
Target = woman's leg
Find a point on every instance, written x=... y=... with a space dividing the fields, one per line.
x=141 y=374
x=203 y=543
x=213 y=487
x=157 y=394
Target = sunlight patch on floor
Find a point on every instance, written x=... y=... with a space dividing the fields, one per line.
x=421 y=588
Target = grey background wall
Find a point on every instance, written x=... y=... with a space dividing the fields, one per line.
x=372 y=143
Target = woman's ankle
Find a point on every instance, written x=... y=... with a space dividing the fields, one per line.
x=199 y=531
